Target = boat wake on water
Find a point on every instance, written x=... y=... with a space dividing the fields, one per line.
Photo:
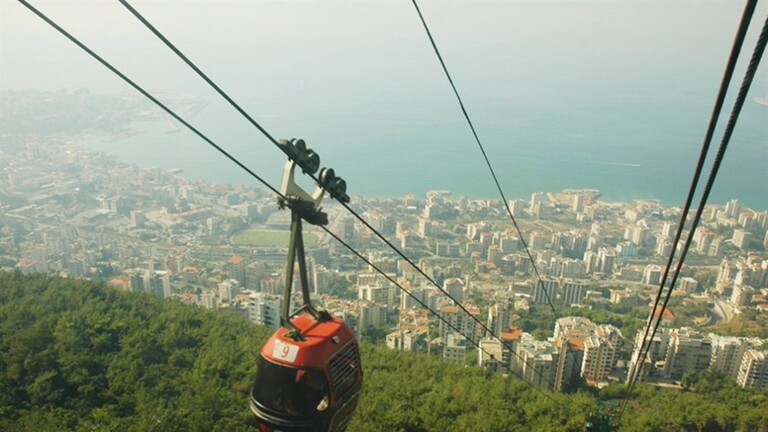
x=623 y=164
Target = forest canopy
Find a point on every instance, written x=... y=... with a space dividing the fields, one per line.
x=78 y=356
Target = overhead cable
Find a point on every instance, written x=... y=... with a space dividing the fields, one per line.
x=362 y=220
x=487 y=160
x=265 y=183
x=724 y=85
x=734 y=116
x=446 y=322
x=192 y=65
x=145 y=93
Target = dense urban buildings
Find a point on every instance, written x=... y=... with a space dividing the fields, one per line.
x=73 y=212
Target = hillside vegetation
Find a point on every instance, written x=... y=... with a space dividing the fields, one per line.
x=77 y=356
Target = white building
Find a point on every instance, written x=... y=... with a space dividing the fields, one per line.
x=207 y=300
x=742 y=295
x=601 y=351
x=573 y=292
x=493 y=355
x=652 y=274
x=228 y=288
x=500 y=316
x=372 y=315
x=536 y=362
x=455 y=288
x=688 y=285
x=158 y=283
x=593 y=348
x=455 y=347
x=408 y=340
x=728 y=353
x=753 y=372
x=741 y=238
x=378 y=294
x=459 y=320
x=687 y=352
x=264 y=309
x=545 y=292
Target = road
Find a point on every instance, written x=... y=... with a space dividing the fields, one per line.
x=724 y=311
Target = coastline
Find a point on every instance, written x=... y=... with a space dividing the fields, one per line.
x=595 y=194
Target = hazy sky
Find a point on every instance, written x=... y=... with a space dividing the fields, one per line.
x=351 y=73
x=238 y=39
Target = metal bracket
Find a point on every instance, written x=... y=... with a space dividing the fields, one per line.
x=307 y=207
x=290 y=189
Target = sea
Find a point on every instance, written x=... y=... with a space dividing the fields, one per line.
x=627 y=149
x=598 y=96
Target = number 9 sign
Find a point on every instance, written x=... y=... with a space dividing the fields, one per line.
x=285 y=352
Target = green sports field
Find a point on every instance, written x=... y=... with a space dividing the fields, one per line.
x=270 y=238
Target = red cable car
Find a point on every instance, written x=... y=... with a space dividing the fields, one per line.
x=309 y=375
x=308 y=385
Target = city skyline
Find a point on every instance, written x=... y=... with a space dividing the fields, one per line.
x=626 y=122
x=591 y=117
x=75 y=212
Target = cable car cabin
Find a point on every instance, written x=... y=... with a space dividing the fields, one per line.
x=310 y=384
x=308 y=376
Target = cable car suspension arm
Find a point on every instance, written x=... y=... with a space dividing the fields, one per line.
x=307 y=207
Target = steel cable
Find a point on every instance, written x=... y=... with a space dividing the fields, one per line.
x=253 y=174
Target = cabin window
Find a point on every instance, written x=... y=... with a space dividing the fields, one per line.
x=290 y=391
